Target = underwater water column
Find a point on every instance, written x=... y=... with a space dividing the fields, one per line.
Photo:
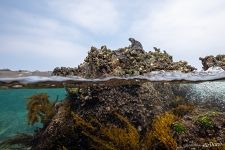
x=13 y=113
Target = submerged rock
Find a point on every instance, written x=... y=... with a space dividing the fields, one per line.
x=127 y=61
x=112 y=113
x=86 y=120
x=139 y=102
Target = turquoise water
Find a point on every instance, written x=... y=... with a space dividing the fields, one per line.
x=13 y=114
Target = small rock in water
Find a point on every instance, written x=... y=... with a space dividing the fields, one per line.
x=17 y=86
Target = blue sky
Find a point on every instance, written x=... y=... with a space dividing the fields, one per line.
x=43 y=34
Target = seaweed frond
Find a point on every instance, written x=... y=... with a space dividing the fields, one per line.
x=126 y=136
x=100 y=143
x=162 y=130
x=18 y=141
x=80 y=122
x=110 y=136
x=182 y=110
x=146 y=142
x=40 y=109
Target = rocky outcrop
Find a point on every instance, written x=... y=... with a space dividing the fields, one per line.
x=211 y=61
x=128 y=61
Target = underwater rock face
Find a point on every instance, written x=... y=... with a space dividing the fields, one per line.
x=211 y=61
x=164 y=111
x=127 y=61
x=139 y=102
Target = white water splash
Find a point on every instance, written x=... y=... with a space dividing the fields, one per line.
x=215 y=73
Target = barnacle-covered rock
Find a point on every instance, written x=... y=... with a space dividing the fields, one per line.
x=140 y=102
x=65 y=71
x=211 y=61
x=127 y=61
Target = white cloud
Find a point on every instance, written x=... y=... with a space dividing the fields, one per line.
x=37 y=25
x=97 y=16
x=187 y=29
x=42 y=37
x=64 y=30
x=53 y=48
x=53 y=52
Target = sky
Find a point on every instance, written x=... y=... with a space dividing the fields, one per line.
x=44 y=34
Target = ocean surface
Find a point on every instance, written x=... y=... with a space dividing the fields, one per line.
x=13 y=113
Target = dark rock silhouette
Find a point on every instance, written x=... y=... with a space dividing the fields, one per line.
x=135 y=44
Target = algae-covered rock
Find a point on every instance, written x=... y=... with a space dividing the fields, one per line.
x=139 y=102
x=59 y=133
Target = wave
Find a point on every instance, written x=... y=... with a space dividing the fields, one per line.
x=214 y=73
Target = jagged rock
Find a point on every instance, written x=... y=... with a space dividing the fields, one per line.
x=127 y=61
x=211 y=61
x=136 y=45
